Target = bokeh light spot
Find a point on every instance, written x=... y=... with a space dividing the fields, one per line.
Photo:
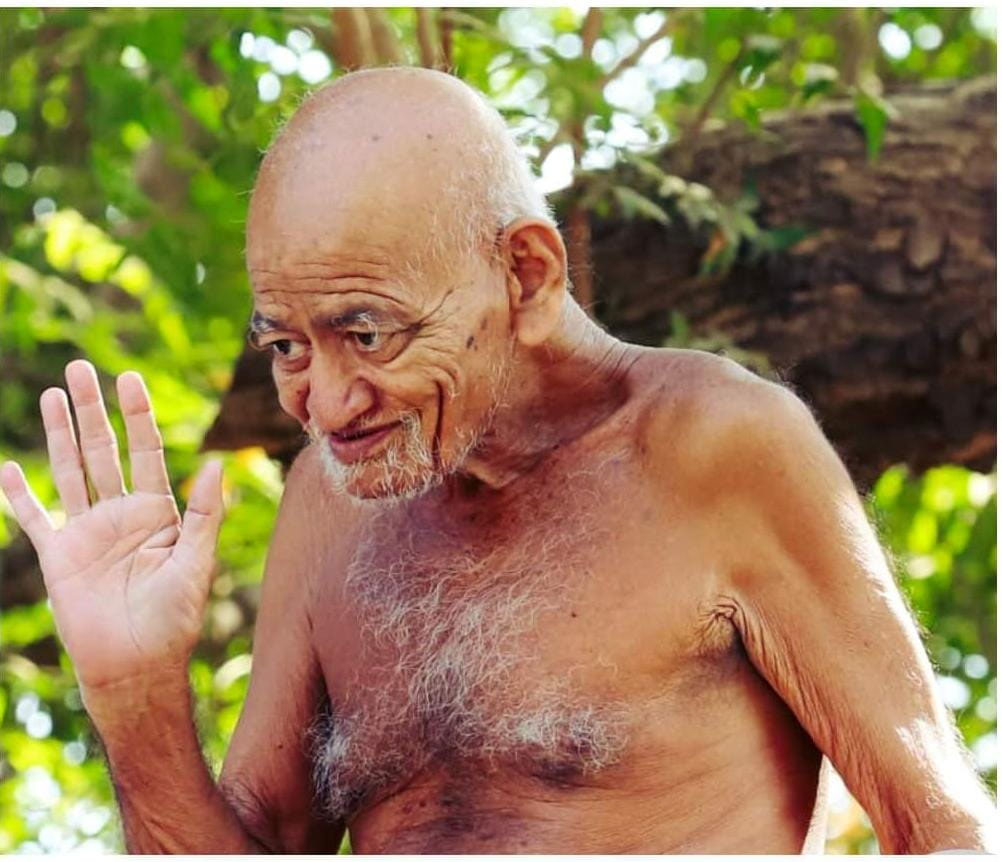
x=314 y=67
x=247 y=44
x=132 y=58
x=299 y=40
x=39 y=725
x=283 y=60
x=8 y=123
x=956 y=693
x=74 y=752
x=928 y=37
x=895 y=41
x=976 y=666
x=269 y=87
x=14 y=175
x=43 y=207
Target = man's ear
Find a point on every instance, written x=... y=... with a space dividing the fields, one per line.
x=537 y=275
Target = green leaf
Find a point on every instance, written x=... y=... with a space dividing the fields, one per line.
x=635 y=204
x=873 y=114
x=26 y=624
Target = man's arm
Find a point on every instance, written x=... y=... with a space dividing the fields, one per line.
x=267 y=776
x=127 y=579
x=263 y=802
x=809 y=590
x=169 y=802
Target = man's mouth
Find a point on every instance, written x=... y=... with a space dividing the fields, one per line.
x=353 y=445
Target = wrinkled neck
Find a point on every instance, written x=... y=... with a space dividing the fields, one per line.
x=557 y=392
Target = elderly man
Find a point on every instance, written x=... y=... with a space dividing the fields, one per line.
x=531 y=588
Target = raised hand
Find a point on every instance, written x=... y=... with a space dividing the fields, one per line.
x=127 y=577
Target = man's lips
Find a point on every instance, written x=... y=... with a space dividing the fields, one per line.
x=352 y=446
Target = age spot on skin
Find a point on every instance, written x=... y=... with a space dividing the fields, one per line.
x=469 y=342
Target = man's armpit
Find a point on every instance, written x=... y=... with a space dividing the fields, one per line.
x=252 y=812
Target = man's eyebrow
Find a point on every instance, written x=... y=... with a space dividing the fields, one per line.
x=261 y=323
x=355 y=316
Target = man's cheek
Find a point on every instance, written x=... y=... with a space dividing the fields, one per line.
x=292 y=399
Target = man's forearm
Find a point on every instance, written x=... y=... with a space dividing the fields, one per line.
x=941 y=822
x=958 y=835
x=168 y=799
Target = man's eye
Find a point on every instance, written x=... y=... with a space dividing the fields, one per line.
x=286 y=348
x=369 y=340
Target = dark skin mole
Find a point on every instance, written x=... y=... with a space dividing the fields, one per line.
x=469 y=342
x=483 y=324
x=375 y=137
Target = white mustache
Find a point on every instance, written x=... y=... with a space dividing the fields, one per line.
x=403 y=470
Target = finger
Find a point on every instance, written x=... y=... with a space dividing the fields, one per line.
x=64 y=456
x=34 y=520
x=200 y=525
x=97 y=439
x=146 y=448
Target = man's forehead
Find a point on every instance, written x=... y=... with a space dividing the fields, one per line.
x=333 y=292
x=368 y=236
x=320 y=258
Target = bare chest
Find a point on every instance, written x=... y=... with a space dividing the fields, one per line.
x=540 y=640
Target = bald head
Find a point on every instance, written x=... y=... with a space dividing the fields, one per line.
x=415 y=154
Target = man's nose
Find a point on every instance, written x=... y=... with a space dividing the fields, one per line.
x=338 y=395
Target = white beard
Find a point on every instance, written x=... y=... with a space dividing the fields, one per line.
x=406 y=469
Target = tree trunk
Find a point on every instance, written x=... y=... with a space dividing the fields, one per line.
x=882 y=317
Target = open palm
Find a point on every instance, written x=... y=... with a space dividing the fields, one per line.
x=127 y=578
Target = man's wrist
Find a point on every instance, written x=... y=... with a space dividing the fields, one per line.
x=135 y=700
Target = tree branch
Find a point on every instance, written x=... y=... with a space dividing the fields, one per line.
x=445 y=26
x=691 y=133
x=578 y=221
x=352 y=47
x=591 y=29
x=384 y=40
x=634 y=56
x=426 y=33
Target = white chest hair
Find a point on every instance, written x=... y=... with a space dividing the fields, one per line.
x=451 y=632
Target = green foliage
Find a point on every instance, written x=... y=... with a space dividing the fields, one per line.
x=941 y=531
x=129 y=139
x=873 y=115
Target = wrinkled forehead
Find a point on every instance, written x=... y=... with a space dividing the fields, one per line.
x=317 y=210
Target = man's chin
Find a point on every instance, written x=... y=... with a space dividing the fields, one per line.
x=375 y=480
x=390 y=489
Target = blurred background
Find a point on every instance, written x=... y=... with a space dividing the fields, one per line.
x=810 y=191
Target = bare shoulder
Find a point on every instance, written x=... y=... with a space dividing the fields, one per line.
x=315 y=524
x=705 y=417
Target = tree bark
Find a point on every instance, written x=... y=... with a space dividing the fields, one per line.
x=882 y=317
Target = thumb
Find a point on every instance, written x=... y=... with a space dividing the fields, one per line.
x=194 y=549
